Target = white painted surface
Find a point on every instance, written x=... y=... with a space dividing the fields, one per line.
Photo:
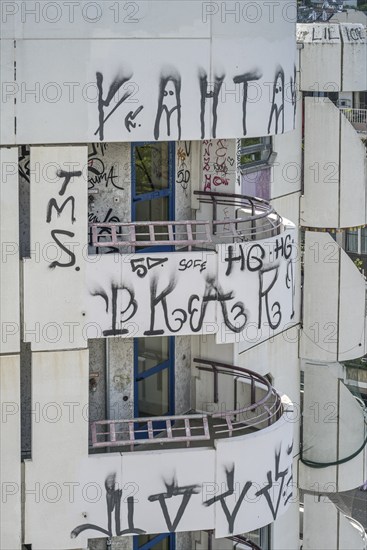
x=320 y=58
x=252 y=513
x=321 y=291
x=265 y=284
x=332 y=56
x=54 y=276
x=9 y=247
x=183 y=43
x=320 y=204
x=333 y=430
x=351 y=334
x=141 y=474
x=10 y=469
x=8 y=89
x=325 y=527
x=353 y=168
x=354 y=56
x=148 y=294
x=59 y=423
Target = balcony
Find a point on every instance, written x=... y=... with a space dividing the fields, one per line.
x=253 y=219
x=358 y=119
x=238 y=480
x=198 y=430
x=209 y=277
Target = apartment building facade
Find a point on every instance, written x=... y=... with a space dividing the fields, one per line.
x=152 y=172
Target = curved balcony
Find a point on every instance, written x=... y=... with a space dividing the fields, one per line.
x=235 y=482
x=358 y=119
x=264 y=407
x=252 y=219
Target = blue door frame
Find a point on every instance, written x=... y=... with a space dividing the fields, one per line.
x=150 y=545
x=168 y=364
x=169 y=192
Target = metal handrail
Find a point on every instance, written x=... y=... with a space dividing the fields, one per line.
x=169 y=430
x=191 y=233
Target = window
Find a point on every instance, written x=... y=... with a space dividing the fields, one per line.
x=255 y=151
x=165 y=541
x=152 y=176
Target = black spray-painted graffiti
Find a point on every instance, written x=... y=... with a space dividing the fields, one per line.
x=55 y=233
x=169 y=106
x=183 y=172
x=277 y=487
x=113 y=502
x=120 y=294
x=209 y=94
x=230 y=517
x=98 y=170
x=169 y=102
x=173 y=490
x=277 y=107
x=245 y=79
x=277 y=491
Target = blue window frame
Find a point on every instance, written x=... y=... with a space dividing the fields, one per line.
x=154 y=379
x=164 y=541
x=152 y=183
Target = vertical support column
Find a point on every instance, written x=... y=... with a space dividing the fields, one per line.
x=10 y=473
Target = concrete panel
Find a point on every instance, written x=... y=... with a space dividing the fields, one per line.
x=354 y=57
x=60 y=421
x=287 y=167
x=320 y=523
x=218 y=162
x=69 y=103
x=187 y=156
x=353 y=173
x=321 y=57
x=9 y=247
x=10 y=467
x=321 y=296
x=53 y=320
x=351 y=330
x=320 y=205
x=269 y=305
x=159 y=491
x=256 y=501
x=109 y=19
x=352 y=434
x=9 y=91
x=109 y=184
x=320 y=416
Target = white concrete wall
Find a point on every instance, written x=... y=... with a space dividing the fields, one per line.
x=331 y=57
x=10 y=467
x=325 y=527
x=353 y=176
x=9 y=250
x=320 y=204
x=187 y=44
x=334 y=302
x=202 y=473
x=333 y=430
x=54 y=276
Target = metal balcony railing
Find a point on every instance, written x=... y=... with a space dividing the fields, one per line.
x=357 y=117
x=199 y=428
x=254 y=219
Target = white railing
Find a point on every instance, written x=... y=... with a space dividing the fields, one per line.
x=358 y=117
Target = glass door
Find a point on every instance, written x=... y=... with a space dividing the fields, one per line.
x=153 y=380
x=152 y=187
